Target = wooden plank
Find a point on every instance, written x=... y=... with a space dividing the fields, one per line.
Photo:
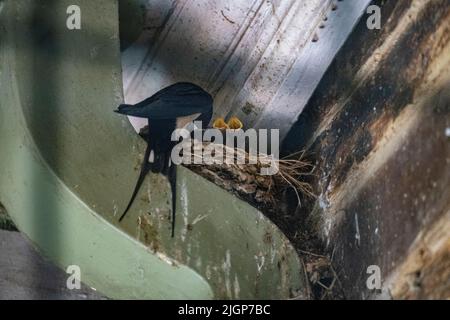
x=376 y=130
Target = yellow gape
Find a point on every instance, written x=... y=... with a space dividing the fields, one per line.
x=235 y=124
x=220 y=124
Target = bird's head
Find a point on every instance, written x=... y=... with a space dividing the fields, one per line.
x=235 y=124
x=220 y=124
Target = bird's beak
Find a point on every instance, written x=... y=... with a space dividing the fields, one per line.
x=220 y=124
x=235 y=124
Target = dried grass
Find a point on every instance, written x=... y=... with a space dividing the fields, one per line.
x=247 y=178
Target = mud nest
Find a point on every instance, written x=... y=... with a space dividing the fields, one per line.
x=243 y=175
x=272 y=194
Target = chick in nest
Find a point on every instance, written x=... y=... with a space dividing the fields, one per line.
x=233 y=124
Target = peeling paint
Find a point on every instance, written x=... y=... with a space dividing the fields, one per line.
x=260 y=259
x=227 y=269
x=357 y=234
x=236 y=287
x=166 y=259
x=184 y=208
x=198 y=219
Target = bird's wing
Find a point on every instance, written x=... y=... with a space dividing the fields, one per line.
x=168 y=107
x=178 y=100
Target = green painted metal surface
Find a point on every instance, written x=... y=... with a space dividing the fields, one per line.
x=68 y=165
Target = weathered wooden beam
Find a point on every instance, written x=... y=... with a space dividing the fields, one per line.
x=378 y=129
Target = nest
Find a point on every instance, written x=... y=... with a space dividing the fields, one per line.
x=243 y=175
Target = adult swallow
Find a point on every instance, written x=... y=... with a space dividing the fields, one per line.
x=170 y=108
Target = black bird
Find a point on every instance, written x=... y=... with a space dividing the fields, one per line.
x=167 y=110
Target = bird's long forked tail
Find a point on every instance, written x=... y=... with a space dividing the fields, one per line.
x=145 y=168
x=172 y=176
x=141 y=179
